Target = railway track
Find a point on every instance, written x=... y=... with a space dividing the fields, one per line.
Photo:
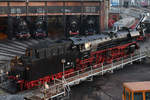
x=13 y=48
x=10 y=49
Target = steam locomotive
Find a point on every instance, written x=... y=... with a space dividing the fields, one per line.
x=90 y=26
x=73 y=26
x=39 y=28
x=23 y=28
x=44 y=62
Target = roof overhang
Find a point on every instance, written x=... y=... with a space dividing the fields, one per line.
x=50 y=0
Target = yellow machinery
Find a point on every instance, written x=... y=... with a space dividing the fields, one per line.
x=136 y=91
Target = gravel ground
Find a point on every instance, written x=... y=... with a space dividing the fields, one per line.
x=12 y=97
x=109 y=86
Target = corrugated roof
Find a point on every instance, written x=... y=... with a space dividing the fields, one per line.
x=138 y=86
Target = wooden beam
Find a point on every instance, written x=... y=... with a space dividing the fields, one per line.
x=17 y=4
x=54 y=3
x=3 y=3
x=91 y=3
x=36 y=4
x=73 y=3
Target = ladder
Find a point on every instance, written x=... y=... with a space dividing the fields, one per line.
x=66 y=86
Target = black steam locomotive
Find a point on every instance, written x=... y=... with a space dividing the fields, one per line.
x=73 y=26
x=90 y=26
x=43 y=62
x=25 y=28
x=21 y=29
x=39 y=30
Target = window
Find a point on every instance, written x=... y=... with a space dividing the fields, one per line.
x=130 y=96
x=40 y=10
x=17 y=10
x=147 y=95
x=127 y=95
x=55 y=9
x=36 y=53
x=138 y=96
x=36 y=9
x=123 y=91
x=73 y=9
x=54 y=51
x=90 y=9
x=3 y=10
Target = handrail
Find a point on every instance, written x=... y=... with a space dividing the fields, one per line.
x=62 y=85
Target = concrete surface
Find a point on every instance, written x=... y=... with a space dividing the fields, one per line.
x=109 y=86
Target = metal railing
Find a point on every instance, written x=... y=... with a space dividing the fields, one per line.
x=56 y=89
x=101 y=69
x=61 y=86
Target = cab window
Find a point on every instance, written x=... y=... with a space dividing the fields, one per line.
x=147 y=95
x=138 y=96
x=128 y=95
x=124 y=91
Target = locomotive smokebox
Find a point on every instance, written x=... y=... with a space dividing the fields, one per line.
x=73 y=25
x=90 y=25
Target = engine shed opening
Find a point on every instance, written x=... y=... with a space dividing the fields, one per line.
x=3 y=28
x=61 y=18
